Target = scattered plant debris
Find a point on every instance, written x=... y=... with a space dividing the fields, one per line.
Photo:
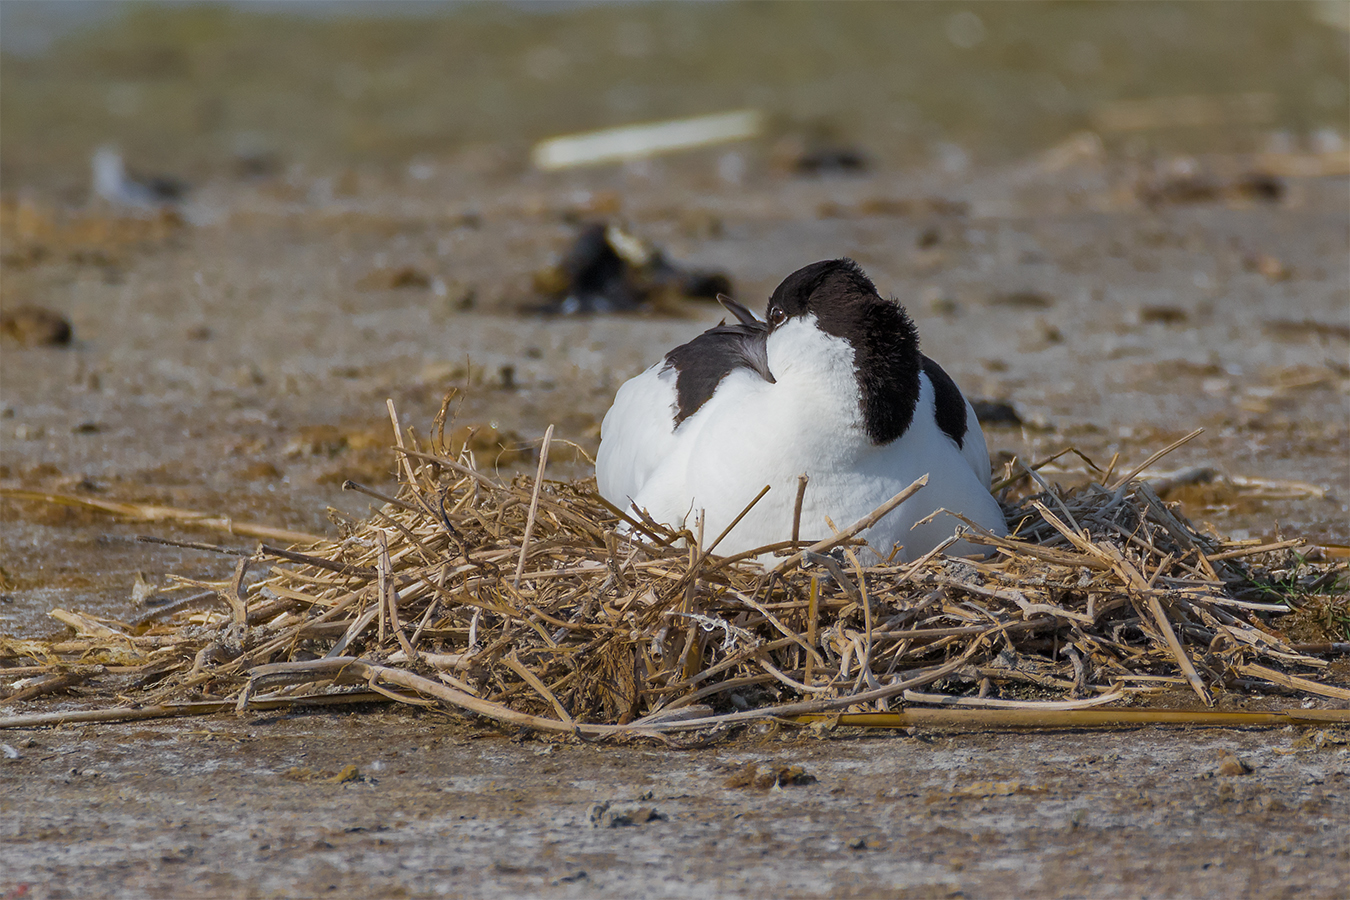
x=392 y=278
x=608 y=269
x=33 y=326
x=996 y=413
x=1185 y=183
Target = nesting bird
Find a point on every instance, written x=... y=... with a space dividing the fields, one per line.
x=831 y=385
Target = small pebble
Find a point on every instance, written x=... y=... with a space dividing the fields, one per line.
x=1230 y=765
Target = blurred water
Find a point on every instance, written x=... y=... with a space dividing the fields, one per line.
x=30 y=27
x=182 y=84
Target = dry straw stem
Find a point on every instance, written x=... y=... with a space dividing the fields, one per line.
x=145 y=512
x=534 y=503
x=172 y=710
x=535 y=604
x=1083 y=718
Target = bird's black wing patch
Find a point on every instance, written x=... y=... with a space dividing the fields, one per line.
x=701 y=364
x=951 y=406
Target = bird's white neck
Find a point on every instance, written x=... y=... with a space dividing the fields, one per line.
x=816 y=384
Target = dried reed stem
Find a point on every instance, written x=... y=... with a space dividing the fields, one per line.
x=534 y=504
x=983 y=720
x=802 y=479
x=862 y=524
x=144 y=512
x=1133 y=473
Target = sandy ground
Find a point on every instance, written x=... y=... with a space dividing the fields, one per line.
x=240 y=366
x=255 y=807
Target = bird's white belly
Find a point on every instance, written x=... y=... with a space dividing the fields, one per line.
x=751 y=433
x=747 y=437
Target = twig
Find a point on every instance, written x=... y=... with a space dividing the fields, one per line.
x=389 y=597
x=836 y=572
x=145 y=512
x=540 y=688
x=350 y=485
x=862 y=524
x=1129 y=476
x=994 y=703
x=534 y=505
x=734 y=522
x=192 y=545
x=199 y=708
x=358 y=669
x=1082 y=718
x=1294 y=682
x=1259 y=548
x=812 y=620
x=234 y=596
x=317 y=562
x=47 y=685
x=398 y=440
x=802 y=479
x=1136 y=580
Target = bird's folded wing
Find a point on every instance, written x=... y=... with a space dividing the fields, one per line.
x=637 y=433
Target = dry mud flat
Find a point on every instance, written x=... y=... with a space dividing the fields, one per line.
x=240 y=367
x=384 y=804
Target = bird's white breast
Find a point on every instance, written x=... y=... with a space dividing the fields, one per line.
x=753 y=433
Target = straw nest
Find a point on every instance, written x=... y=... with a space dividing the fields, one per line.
x=537 y=604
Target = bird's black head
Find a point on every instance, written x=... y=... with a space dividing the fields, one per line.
x=886 y=358
x=831 y=288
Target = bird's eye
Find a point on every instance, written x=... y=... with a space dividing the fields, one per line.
x=777 y=317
